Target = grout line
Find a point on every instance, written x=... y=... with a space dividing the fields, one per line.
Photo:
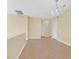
x=21 y=50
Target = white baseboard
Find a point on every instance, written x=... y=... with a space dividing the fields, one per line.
x=22 y=34
x=34 y=38
x=68 y=44
x=21 y=51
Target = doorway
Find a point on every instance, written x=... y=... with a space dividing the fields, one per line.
x=46 y=28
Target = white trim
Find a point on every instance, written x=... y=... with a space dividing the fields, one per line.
x=16 y=36
x=21 y=50
x=68 y=44
x=34 y=37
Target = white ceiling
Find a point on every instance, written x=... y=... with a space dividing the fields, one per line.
x=38 y=8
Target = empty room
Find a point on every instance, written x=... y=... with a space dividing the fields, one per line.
x=38 y=29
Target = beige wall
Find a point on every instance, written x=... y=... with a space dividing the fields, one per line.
x=34 y=28
x=16 y=25
x=64 y=27
x=14 y=46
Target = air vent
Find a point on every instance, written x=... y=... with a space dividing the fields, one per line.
x=57 y=0
x=19 y=12
x=64 y=5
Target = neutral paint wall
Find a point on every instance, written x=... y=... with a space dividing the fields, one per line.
x=64 y=27
x=14 y=46
x=34 y=28
x=16 y=25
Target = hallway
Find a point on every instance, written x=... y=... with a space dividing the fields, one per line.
x=46 y=48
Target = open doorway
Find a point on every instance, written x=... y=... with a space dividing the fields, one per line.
x=46 y=28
